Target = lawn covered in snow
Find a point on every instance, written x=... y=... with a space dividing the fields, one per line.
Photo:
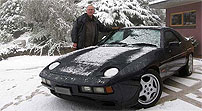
x=20 y=89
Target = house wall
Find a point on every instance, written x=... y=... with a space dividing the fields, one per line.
x=189 y=31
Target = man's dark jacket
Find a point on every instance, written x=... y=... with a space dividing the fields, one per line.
x=79 y=30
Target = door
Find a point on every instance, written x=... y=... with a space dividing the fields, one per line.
x=174 y=52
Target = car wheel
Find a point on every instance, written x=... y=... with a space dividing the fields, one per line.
x=187 y=70
x=151 y=89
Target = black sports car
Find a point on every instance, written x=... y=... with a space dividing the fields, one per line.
x=125 y=68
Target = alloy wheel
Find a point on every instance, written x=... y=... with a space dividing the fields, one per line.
x=150 y=89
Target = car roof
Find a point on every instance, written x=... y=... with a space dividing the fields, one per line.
x=147 y=27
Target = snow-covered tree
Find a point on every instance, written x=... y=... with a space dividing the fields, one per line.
x=160 y=12
x=11 y=19
x=52 y=23
x=123 y=12
x=5 y=37
x=2 y=1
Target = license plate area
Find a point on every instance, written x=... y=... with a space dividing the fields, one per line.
x=62 y=90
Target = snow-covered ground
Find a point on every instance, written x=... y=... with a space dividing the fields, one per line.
x=20 y=89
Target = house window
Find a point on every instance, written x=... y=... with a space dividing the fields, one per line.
x=177 y=19
x=190 y=18
x=187 y=18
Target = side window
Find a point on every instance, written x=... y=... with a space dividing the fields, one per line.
x=170 y=37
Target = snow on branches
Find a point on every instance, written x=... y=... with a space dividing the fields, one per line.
x=11 y=18
x=55 y=18
x=123 y=12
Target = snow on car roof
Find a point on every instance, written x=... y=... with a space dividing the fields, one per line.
x=147 y=27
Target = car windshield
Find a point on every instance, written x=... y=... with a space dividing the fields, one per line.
x=132 y=37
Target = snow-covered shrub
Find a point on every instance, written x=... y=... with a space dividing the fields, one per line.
x=53 y=19
x=41 y=43
x=5 y=37
x=11 y=18
x=123 y=12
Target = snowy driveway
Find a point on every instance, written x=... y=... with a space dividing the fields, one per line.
x=20 y=89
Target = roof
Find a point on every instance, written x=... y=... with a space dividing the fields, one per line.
x=164 y=4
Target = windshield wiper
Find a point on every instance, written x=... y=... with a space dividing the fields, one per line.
x=118 y=43
x=147 y=44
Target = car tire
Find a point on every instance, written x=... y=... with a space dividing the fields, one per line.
x=151 y=89
x=187 y=70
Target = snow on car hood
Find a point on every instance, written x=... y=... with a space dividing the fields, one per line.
x=101 y=55
x=89 y=62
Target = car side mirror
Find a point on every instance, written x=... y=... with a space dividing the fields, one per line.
x=175 y=43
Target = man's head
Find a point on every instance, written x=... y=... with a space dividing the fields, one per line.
x=90 y=10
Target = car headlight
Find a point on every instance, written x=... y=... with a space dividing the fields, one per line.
x=86 y=89
x=98 y=89
x=111 y=72
x=53 y=65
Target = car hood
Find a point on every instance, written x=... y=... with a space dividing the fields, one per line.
x=93 y=61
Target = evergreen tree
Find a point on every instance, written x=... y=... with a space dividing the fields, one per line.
x=11 y=19
x=123 y=12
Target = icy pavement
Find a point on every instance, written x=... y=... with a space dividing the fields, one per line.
x=21 y=89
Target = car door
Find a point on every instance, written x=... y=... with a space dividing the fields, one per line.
x=174 y=50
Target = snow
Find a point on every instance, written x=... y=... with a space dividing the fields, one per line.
x=19 y=44
x=116 y=12
x=200 y=89
x=196 y=76
x=19 y=78
x=143 y=51
x=195 y=97
x=21 y=89
x=101 y=55
x=157 y=1
x=172 y=88
x=164 y=94
x=185 y=81
x=176 y=105
x=93 y=59
x=98 y=56
x=143 y=36
x=80 y=69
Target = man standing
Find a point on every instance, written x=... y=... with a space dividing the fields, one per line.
x=86 y=28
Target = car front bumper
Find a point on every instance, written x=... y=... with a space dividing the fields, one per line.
x=125 y=93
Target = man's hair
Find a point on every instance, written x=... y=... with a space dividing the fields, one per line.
x=89 y=5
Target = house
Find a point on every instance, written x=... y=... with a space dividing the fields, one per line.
x=185 y=16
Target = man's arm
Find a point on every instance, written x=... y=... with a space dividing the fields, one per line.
x=103 y=28
x=74 y=33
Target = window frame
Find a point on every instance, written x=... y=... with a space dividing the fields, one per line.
x=182 y=18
